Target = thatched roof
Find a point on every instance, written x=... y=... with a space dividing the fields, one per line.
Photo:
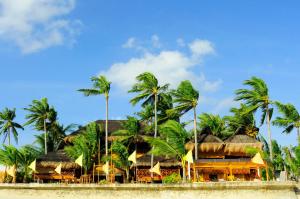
x=113 y=125
x=145 y=160
x=53 y=159
x=208 y=138
x=241 y=138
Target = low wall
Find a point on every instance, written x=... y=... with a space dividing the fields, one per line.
x=226 y=190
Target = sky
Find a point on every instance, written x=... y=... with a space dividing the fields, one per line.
x=52 y=48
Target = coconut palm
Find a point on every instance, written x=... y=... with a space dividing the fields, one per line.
x=101 y=86
x=41 y=116
x=213 y=124
x=27 y=154
x=171 y=143
x=130 y=132
x=257 y=97
x=86 y=144
x=10 y=156
x=148 y=90
x=8 y=126
x=290 y=118
x=242 y=121
x=187 y=98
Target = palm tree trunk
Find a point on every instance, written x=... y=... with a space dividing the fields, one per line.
x=195 y=134
x=183 y=171
x=8 y=136
x=45 y=130
x=298 y=135
x=269 y=133
x=106 y=134
x=155 y=128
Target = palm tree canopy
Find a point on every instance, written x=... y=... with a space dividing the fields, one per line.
x=147 y=86
x=185 y=96
x=290 y=117
x=172 y=140
x=130 y=131
x=100 y=86
x=9 y=156
x=256 y=97
x=40 y=111
x=241 y=120
x=8 y=125
x=213 y=124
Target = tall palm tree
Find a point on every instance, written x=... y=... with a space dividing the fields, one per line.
x=290 y=118
x=257 y=97
x=101 y=86
x=148 y=90
x=171 y=143
x=187 y=98
x=8 y=126
x=41 y=115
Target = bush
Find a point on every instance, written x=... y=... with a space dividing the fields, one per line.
x=172 y=178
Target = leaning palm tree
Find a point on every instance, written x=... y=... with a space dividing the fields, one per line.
x=41 y=116
x=290 y=118
x=100 y=86
x=241 y=121
x=148 y=90
x=213 y=124
x=187 y=98
x=8 y=125
x=257 y=97
x=171 y=143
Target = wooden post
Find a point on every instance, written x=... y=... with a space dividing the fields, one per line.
x=94 y=173
x=194 y=169
x=230 y=170
x=267 y=172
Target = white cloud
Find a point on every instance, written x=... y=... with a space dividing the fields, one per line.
x=155 y=41
x=33 y=25
x=169 y=66
x=130 y=43
x=210 y=86
x=201 y=47
x=225 y=104
x=180 y=42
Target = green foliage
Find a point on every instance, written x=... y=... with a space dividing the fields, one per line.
x=290 y=118
x=241 y=121
x=100 y=86
x=185 y=97
x=172 y=179
x=86 y=144
x=213 y=124
x=147 y=87
x=8 y=126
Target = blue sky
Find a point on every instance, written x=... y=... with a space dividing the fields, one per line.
x=51 y=49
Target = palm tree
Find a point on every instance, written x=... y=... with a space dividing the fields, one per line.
x=10 y=156
x=148 y=89
x=257 y=97
x=290 y=118
x=28 y=154
x=171 y=143
x=41 y=115
x=241 y=121
x=213 y=124
x=130 y=132
x=187 y=98
x=8 y=125
x=100 y=86
x=86 y=144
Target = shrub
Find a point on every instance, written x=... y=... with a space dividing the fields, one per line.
x=172 y=178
